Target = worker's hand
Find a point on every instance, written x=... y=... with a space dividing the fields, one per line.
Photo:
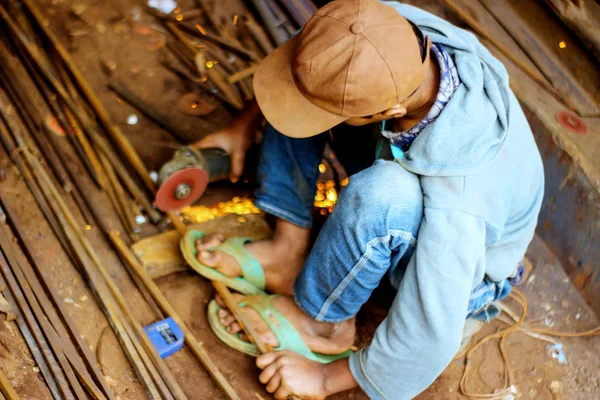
x=287 y=373
x=235 y=140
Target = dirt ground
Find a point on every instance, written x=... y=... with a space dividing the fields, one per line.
x=115 y=32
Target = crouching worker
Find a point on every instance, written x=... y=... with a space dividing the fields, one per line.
x=445 y=188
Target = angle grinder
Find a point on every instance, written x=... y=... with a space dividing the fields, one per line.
x=184 y=179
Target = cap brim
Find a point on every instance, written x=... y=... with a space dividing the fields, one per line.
x=282 y=103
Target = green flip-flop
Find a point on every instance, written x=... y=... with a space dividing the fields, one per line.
x=253 y=279
x=287 y=335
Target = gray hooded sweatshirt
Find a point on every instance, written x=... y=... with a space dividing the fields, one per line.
x=482 y=181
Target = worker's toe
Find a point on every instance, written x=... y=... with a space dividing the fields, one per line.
x=211 y=259
x=227 y=320
x=209 y=241
x=234 y=328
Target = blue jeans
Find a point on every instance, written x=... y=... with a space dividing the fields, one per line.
x=372 y=232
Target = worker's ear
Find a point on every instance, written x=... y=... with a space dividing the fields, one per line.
x=398 y=111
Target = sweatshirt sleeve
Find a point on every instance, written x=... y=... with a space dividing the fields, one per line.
x=423 y=329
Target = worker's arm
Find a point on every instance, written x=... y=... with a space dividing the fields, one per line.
x=236 y=139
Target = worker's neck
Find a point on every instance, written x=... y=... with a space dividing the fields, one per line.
x=422 y=100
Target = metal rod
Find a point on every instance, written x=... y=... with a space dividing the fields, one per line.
x=30 y=269
x=116 y=134
x=23 y=104
x=76 y=240
x=149 y=111
x=54 y=106
x=87 y=125
x=118 y=198
x=32 y=345
x=243 y=74
x=32 y=323
x=9 y=79
x=259 y=35
x=223 y=43
x=14 y=153
x=211 y=73
x=113 y=313
x=194 y=345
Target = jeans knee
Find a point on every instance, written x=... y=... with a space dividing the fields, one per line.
x=384 y=190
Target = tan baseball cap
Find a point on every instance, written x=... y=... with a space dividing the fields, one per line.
x=353 y=58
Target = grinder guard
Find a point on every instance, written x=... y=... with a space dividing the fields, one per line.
x=184 y=179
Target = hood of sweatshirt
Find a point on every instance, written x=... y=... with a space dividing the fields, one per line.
x=473 y=126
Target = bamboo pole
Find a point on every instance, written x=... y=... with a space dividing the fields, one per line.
x=194 y=345
x=6 y=389
x=116 y=134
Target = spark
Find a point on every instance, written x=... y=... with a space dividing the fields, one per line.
x=201 y=29
x=238 y=205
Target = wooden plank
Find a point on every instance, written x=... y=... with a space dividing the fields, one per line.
x=583 y=17
x=6 y=389
x=160 y=255
x=584 y=149
x=484 y=24
x=568 y=66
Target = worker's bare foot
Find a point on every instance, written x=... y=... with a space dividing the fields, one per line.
x=281 y=257
x=320 y=337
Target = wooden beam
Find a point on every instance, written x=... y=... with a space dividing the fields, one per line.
x=6 y=389
x=568 y=67
x=583 y=17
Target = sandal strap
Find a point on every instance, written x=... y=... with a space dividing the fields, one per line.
x=286 y=333
x=251 y=269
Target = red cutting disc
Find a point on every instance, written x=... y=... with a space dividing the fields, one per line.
x=196 y=178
